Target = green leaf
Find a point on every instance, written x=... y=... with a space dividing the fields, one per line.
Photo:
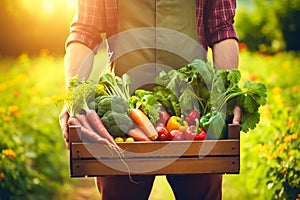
x=170 y=80
x=188 y=100
x=250 y=104
x=257 y=90
x=249 y=121
x=196 y=70
x=234 y=76
x=168 y=100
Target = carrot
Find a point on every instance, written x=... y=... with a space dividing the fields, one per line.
x=138 y=134
x=144 y=123
x=89 y=134
x=84 y=122
x=94 y=119
x=94 y=136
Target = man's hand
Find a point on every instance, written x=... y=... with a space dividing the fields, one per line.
x=63 y=121
x=237 y=114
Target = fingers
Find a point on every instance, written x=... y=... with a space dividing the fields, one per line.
x=237 y=114
x=63 y=121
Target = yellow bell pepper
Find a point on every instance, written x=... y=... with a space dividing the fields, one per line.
x=176 y=123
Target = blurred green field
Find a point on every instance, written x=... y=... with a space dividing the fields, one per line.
x=34 y=161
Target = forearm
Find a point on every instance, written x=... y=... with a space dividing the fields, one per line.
x=226 y=57
x=78 y=60
x=226 y=54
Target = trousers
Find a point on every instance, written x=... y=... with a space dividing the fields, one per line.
x=185 y=187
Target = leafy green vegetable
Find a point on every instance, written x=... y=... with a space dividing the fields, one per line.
x=147 y=102
x=250 y=97
x=191 y=85
x=80 y=93
x=110 y=103
x=200 y=86
x=168 y=100
x=117 y=124
x=254 y=96
x=150 y=102
x=116 y=86
x=109 y=97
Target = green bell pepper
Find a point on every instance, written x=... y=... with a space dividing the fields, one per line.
x=214 y=125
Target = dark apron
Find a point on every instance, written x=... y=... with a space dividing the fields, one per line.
x=155 y=35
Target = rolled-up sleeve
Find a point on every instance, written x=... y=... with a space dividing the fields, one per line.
x=220 y=21
x=88 y=24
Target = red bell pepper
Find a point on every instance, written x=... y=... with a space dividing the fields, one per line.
x=176 y=135
x=163 y=133
x=193 y=114
x=194 y=132
x=164 y=116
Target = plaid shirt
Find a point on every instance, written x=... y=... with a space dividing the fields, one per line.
x=215 y=19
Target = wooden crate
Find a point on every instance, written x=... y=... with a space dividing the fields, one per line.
x=157 y=157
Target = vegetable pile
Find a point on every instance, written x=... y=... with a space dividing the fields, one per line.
x=194 y=102
x=214 y=93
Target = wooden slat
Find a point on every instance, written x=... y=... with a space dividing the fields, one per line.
x=155 y=149
x=81 y=168
x=74 y=134
x=234 y=131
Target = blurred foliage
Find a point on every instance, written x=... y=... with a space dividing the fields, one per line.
x=270 y=154
x=32 y=153
x=269 y=26
x=288 y=14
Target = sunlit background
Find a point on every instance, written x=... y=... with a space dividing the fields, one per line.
x=31 y=25
x=47 y=6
